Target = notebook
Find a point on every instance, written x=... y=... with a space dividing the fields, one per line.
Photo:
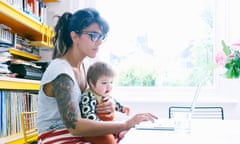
x=167 y=124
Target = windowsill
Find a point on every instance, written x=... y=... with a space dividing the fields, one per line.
x=157 y=101
x=175 y=99
x=149 y=95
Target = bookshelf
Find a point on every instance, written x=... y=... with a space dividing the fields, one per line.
x=25 y=25
x=17 y=94
x=40 y=35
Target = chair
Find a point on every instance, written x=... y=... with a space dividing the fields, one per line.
x=200 y=112
x=29 y=130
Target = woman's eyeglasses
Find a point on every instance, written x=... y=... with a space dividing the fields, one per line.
x=94 y=36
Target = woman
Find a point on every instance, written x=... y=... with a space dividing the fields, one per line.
x=77 y=36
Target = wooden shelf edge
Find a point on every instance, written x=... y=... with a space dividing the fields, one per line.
x=16 y=139
x=47 y=1
x=24 y=54
x=9 y=139
x=7 y=83
x=40 y=44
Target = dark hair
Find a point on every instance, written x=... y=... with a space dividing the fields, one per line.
x=76 y=22
x=97 y=70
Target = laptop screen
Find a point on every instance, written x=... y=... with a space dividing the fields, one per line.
x=194 y=101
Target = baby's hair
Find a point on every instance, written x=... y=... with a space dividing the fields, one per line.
x=97 y=70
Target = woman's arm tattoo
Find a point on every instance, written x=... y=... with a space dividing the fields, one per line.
x=68 y=106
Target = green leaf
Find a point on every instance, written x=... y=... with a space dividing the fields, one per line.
x=228 y=65
x=226 y=49
x=228 y=74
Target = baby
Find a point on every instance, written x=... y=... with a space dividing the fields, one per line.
x=100 y=79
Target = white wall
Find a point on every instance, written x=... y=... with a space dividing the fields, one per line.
x=58 y=8
x=234 y=23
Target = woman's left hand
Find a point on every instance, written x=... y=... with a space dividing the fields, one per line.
x=107 y=107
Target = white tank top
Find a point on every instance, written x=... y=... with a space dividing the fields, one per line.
x=48 y=115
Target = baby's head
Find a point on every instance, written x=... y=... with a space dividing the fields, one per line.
x=100 y=77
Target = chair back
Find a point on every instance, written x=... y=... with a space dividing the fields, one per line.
x=29 y=129
x=200 y=112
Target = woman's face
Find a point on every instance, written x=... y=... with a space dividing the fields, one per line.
x=103 y=86
x=89 y=41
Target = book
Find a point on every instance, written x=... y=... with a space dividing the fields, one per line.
x=0 y=113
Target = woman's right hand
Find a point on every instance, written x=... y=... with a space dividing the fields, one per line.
x=140 y=117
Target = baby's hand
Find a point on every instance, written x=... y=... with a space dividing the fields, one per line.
x=126 y=110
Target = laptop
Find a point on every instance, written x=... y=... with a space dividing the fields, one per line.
x=167 y=124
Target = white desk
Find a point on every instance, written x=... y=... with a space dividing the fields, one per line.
x=202 y=132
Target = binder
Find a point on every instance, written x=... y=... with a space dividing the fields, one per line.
x=26 y=71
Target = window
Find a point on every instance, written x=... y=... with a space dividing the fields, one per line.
x=167 y=44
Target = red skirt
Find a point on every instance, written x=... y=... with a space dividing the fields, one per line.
x=61 y=136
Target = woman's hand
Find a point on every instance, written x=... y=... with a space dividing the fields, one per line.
x=107 y=107
x=140 y=117
x=136 y=119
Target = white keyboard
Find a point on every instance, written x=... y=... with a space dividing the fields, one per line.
x=159 y=124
